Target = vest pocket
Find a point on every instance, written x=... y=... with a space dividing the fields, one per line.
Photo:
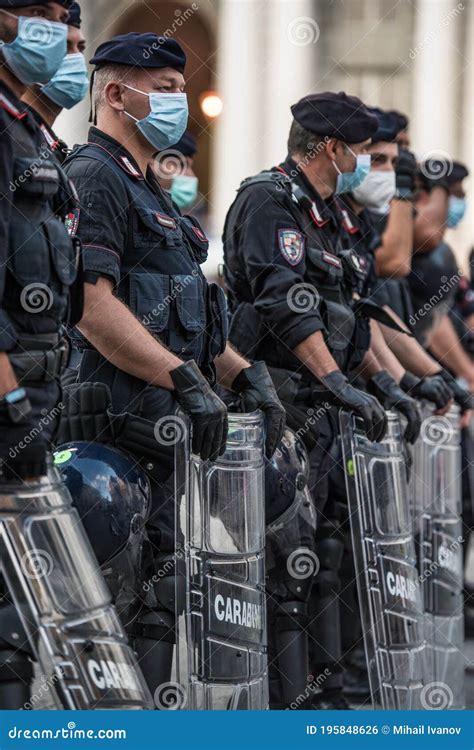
x=150 y=299
x=187 y=337
x=340 y=324
x=155 y=228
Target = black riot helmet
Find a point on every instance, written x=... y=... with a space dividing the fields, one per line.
x=110 y=492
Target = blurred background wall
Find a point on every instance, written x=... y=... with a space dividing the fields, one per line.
x=249 y=60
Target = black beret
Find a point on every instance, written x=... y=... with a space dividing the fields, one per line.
x=458 y=173
x=402 y=120
x=28 y=3
x=75 y=16
x=335 y=116
x=187 y=145
x=388 y=126
x=141 y=50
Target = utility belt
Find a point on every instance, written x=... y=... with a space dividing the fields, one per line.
x=42 y=358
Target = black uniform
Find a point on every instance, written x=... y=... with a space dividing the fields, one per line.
x=38 y=268
x=55 y=145
x=133 y=235
x=287 y=277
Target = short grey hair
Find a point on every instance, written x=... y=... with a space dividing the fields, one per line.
x=301 y=141
x=105 y=75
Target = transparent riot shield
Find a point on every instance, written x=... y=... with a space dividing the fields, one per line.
x=221 y=660
x=437 y=505
x=385 y=565
x=57 y=588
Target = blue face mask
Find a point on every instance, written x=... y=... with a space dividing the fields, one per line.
x=38 y=50
x=184 y=190
x=167 y=121
x=456 y=210
x=348 y=181
x=70 y=84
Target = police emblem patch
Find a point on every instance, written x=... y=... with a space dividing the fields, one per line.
x=72 y=222
x=291 y=245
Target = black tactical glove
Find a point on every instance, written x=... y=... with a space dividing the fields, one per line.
x=405 y=173
x=460 y=394
x=363 y=405
x=434 y=173
x=258 y=392
x=432 y=388
x=389 y=393
x=207 y=412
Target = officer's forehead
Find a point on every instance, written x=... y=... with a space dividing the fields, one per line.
x=383 y=148
x=158 y=76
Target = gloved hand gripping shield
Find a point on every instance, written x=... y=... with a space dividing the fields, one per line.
x=437 y=504
x=385 y=565
x=221 y=661
x=56 y=586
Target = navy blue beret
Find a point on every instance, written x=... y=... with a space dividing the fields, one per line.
x=141 y=50
x=335 y=116
x=187 y=145
x=75 y=16
x=402 y=120
x=27 y=3
x=388 y=127
x=458 y=173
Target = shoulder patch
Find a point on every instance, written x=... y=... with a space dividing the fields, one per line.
x=129 y=167
x=292 y=245
x=52 y=143
x=72 y=222
x=166 y=221
x=9 y=107
x=199 y=234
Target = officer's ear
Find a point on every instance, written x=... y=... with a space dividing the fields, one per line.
x=114 y=96
x=332 y=148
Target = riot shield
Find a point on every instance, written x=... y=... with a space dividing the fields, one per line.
x=55 y=583
x=221 y=660
x=437 y=505
x=385 y=565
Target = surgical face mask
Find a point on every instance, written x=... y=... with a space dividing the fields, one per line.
x=184 y=190
x=456 y=210
x=167 y=121
x=377 y=189
x=70 y=84
x=348 y=181
x=38 y=50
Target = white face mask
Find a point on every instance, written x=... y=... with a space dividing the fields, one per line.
x=377 y=189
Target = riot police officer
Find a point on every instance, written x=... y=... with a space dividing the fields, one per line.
x=67 y=88
x=292 y=306
x=154 y=332
x=38 y=269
